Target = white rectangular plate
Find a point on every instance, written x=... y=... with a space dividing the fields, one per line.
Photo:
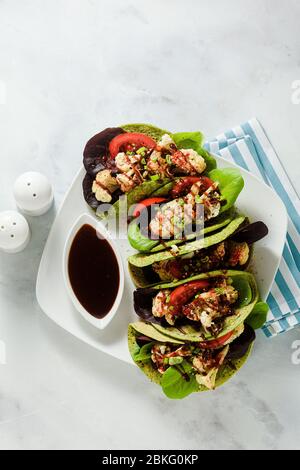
x=256 y=200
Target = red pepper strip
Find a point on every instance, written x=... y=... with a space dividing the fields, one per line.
x=182 y=294
x=129 y=140
x=146 y=203
x=215 y=343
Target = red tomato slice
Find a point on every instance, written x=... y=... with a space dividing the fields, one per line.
x=182 y=186
x=182 y=294
x=146 y=203
x=129 y=140
x=215 y=343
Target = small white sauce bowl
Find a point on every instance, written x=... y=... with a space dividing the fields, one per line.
x=86 y=219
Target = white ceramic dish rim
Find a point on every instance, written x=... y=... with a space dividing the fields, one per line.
x=83 y=219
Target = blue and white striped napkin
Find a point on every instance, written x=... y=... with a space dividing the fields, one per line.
x=249 y=147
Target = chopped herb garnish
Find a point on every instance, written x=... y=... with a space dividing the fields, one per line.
x=175 y=360
x=220 y=290
x=142 y=151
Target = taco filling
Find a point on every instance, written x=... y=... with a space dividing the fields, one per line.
x=130 y=159
x=173 y=216
x=189 y=367
x=204 y=363
x=207 y=302
x=224 y=255
x=183 y=209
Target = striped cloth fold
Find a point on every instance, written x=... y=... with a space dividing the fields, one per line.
x=249 y=147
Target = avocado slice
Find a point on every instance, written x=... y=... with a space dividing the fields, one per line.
x=148 y=329
x=141 y=259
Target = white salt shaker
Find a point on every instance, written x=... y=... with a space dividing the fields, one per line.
x=14 y=232
x=33 y=193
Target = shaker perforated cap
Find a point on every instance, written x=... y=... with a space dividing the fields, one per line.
x=33 y=193
x=14 y=232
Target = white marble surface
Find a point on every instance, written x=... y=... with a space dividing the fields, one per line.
x=70 y=68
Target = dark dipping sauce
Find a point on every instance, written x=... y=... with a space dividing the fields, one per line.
x=93 y=272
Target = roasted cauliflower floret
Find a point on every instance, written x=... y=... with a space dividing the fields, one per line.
x=106 y=179
x=169 y=221
x=177 y=214
x=161 y=307
x=211 y=202
x=196 y=160
x=188 y=161
x=158 y=353
x=157 y=165
x=166 y=142
x=101 y=194
x=104 y=185
x=212 y=305
x=126 y=182
x=208 y=364
x=239 y=253
x=124 y=162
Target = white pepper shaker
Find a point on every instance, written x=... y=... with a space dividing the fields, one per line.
x=33 y=193
x=14 y=232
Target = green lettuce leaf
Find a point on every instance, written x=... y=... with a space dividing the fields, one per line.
x=258 y=316
x=145 y=259
x=137 y=240
x=175 y=385
x=144 y=353
x=188 y=140
x=241 y=284
x=210 y=160
x=230 y=182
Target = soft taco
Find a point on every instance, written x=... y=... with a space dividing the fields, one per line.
x=139 y=159
x=194 y=201
x=184 y=367
x=229 y=247
x=202 y=308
